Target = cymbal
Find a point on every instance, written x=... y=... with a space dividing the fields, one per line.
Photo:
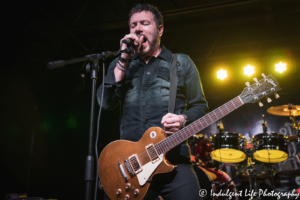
x=285 y=110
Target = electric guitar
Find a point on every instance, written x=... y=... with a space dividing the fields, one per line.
x=126 y=168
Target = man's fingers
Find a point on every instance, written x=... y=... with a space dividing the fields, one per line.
x=165 y=117
x=172 y=120
x=135 y=38
x=171 y=131
x=176 y=124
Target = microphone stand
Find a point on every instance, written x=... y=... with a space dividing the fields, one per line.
x=93 y=68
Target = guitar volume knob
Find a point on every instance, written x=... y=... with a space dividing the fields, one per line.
x=119 y=191
x=126 y=197
x=136 y=192
x=127 y=186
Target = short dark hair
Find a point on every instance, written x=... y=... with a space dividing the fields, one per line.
x=158 y=18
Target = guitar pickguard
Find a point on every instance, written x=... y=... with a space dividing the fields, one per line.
x=148 y=170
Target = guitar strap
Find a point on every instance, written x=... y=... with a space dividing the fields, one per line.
x=173 y=83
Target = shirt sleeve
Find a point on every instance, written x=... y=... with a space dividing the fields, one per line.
x=196 y=102
x=112 y=89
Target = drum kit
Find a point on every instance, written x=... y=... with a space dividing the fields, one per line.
x=254 y=160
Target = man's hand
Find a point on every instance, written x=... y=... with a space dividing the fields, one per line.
x=137 y=43
x=172 y=123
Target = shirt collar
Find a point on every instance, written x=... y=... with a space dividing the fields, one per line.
x=164 y=54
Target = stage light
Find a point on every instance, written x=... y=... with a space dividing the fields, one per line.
x=222 y=74
x=280 y=67
x=249 y=70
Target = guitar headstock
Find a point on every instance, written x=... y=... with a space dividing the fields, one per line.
x=262 y=88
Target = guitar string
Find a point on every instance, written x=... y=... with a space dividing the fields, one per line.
x=192 y=126
x=206 y=117
x=160 y=145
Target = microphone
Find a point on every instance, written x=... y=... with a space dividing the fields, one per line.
x=130 y=42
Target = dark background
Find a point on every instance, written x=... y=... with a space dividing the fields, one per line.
x=45 y=113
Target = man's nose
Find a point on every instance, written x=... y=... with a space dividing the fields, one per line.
x=138 y=28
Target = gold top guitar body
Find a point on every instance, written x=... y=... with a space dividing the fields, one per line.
x=115 y=161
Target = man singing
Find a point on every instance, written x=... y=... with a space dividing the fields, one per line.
x=141 y=83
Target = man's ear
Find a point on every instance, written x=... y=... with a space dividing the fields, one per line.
x=160 y=30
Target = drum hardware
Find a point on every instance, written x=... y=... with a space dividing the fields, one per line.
x=220 y=126
x=254 y=171
x=296 y=126
x=228 y=183
x=264 y=124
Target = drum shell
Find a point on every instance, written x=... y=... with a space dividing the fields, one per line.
x=270 y=147
x=229 y=141
x=269 y=141
x=229 y=147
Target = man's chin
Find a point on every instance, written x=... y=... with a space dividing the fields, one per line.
x=144 y=52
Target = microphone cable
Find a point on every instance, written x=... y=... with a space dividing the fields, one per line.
x=97 y=134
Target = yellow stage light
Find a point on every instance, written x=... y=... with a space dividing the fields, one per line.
x=249 y=70
x=222 y=74
x=280 y=67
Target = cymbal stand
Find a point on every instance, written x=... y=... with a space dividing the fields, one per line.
x=220 y=126
x=296 y=125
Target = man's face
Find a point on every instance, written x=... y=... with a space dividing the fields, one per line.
x=143 y=24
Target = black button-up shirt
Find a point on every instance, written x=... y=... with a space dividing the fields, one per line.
x=144 y=95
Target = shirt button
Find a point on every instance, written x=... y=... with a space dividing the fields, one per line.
x=146 y=121
x=145 y=88
x=148 y=73
x=144 y=104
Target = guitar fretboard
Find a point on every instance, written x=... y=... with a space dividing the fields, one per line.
x=198 y=125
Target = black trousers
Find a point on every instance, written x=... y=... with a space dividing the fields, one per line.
x=180 y=184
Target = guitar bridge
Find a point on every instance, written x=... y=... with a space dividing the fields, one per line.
x=128 y=167
x=135 y=164
x=152 y=153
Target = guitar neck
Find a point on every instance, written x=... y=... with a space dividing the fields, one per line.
x=198 y=125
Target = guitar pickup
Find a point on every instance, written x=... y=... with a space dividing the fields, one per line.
x=135 y=164
x=152 y=153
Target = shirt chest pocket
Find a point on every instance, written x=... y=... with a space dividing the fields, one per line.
x=163 y=76
x=132 y=82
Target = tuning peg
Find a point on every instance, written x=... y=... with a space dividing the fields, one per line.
x=260 y=104
x=247 y=84
x=255 y=79
x=269 y=100
x=263 y=75
x=276 y=95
